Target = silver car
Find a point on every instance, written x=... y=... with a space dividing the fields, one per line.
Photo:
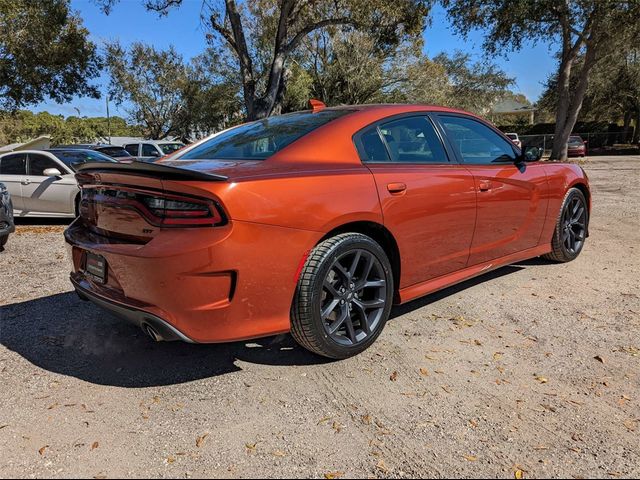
x=42 y=182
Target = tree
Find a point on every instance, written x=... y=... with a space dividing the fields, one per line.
x=580 y=27
x=44 y=52
x=263 y=34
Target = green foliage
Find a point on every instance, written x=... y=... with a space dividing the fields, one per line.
x=23 y=125
x=44 y=52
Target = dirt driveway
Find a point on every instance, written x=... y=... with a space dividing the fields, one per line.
x=531 y=370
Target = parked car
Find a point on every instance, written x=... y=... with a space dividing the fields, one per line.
x=576 y=146
x=316 y=223
x=113 y=151
x=6 y=216
x=42 y=182
x=515 y=139
x=152 y=150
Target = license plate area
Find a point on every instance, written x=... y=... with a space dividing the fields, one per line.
x=95 y=267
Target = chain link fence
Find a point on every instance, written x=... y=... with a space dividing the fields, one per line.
x=596 y=142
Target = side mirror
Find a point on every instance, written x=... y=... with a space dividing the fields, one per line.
x=530 y=154
x=52 y=172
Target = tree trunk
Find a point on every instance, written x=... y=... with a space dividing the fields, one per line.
x=636 y=133
x=626 y=125
x=559 y=149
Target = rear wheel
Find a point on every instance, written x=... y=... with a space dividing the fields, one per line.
x=344 y=296
x=571 y=228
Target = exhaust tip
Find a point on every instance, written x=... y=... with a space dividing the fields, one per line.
x=151 y=332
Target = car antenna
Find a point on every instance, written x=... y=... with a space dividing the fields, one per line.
x=316 y=105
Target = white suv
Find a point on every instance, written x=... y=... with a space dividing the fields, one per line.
x=152 y=150
x=514 y=138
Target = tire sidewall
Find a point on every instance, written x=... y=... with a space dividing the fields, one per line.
x=574 y=192
x=358 y=241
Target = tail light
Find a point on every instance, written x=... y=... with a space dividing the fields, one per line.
x=159 y=209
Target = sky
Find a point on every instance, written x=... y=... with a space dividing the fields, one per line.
x=130 y=22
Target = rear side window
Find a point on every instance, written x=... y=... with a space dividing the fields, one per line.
x=39 y=163
x=132 y=148
x=259 y=140
x=116 y=152
x=15 y=164
x=413 y=140
x=476 y=143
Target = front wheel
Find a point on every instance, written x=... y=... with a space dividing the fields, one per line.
x=571 y=228
x=344 y=296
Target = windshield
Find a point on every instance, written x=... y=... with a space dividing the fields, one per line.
x=168 y=148
x=117 y=152
x=73 y=158
x=575 y=141
x=261 y=139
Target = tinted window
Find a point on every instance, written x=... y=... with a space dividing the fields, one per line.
x=39 y=163
x=73 y=158
x=413 y=140
x=15 y=164
x=168 y=148
x=132 y=148
x=575 y=141
x=259 y=140
x=116 y=152
x=477 y=143
x=371 y=148
x=149 y=150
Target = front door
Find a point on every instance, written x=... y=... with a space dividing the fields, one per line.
x=45 y=194
x=428 y=200
x=512 y=201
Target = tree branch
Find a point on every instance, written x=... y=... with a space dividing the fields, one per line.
x=315 y=26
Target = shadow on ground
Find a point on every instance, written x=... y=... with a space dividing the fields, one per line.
x=65 y=335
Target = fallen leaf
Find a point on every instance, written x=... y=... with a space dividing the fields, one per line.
x=323 y=420
x=382 y=466
x=200 y=440
x=470 y=458
x=41 y=450
x=394 y=376
x=518 y=474
x=366 y=419
x=279 y=453
x=473 y=423
x=332 y=475
x=337 y=427
x=541 y=447
x=445 y=388
x=599 y=358
x=171 y=460
x=541 y=379
x=94 y=445
x=251 y=447
x=477 y=342
x=424 y=372
x=498 y=356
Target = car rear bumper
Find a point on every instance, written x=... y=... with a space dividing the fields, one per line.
x=203 y=285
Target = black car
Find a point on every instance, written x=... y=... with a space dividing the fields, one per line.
x=119 y=153
x=6 y=215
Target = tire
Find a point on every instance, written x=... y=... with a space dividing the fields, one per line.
x=3 y=240
x=358 y=299
x=571 y=228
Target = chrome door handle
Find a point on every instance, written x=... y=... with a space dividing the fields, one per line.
x=25 y=182
x=484 y=185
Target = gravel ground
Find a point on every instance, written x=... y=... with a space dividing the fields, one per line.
x=531 y=370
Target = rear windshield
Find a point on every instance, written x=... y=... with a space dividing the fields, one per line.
x=117 y=152
x=261 y=139
x=168 y=148
x=73 y=158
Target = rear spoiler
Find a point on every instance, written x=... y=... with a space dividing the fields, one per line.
x=155 y=170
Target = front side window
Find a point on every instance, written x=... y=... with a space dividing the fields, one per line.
x=263 y=138
x=168 y=148
x=39 y=163
x=15 y=164
x=149 y=150
x=477 y=143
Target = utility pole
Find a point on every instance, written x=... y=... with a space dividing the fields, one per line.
x=108 y=120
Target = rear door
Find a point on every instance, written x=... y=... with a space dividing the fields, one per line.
x=149 y=152
x=13 y=172
x=49 y=195
x=428 y=200
x=512 y=200
x=133 y=149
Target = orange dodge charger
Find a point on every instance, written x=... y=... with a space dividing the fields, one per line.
x=316 y=223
